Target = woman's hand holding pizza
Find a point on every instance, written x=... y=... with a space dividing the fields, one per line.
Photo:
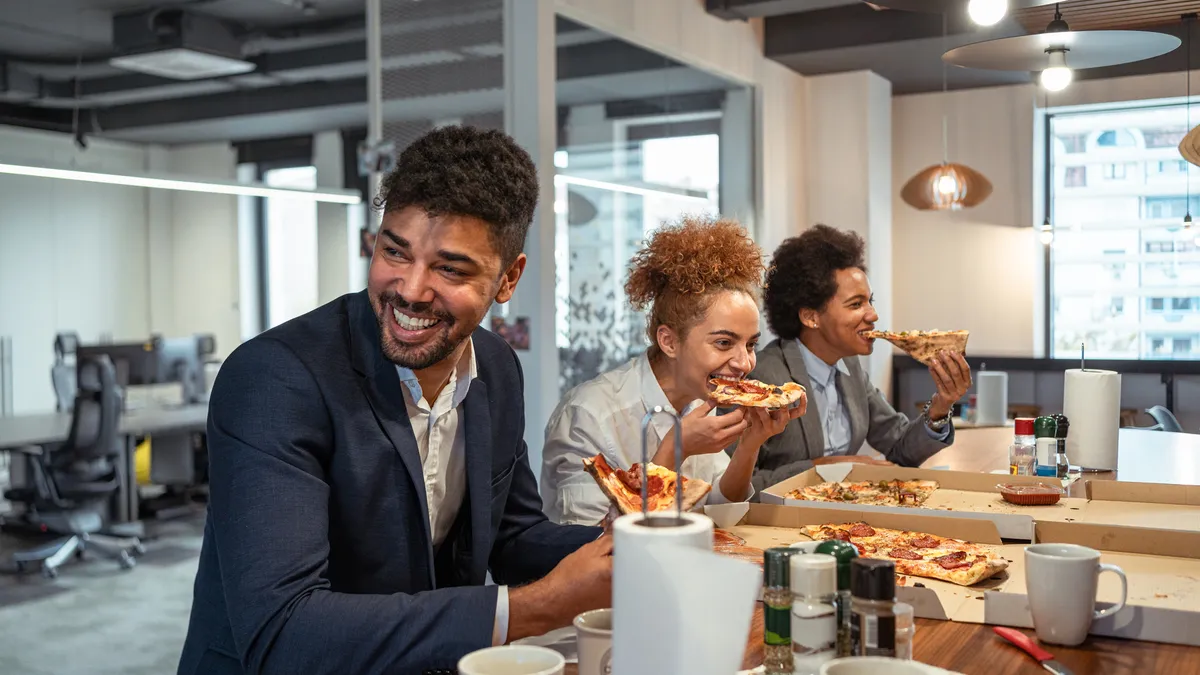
x=952 y=376
x=765 y=423
x=703 y=434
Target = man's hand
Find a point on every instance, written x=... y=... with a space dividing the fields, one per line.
x=952 y=376
x=582 y=581
x=855 y=459
x=703 y=434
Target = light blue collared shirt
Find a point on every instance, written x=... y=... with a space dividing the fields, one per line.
x=824 y=395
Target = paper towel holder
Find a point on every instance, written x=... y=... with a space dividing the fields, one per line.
x=658 y=521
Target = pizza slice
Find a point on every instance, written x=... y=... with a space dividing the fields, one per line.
x=923 y=345
x=729 y=544
x=917 y=554
x=876 y=493
x=624 y=488
x=752 y=393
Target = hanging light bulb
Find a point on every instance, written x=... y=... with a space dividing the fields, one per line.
x=1047 y=233
x=987 y=12
x=1057 y=75
x=1187 y=222
x=947 y=184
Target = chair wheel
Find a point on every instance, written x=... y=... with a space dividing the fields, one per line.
x=50 y=572
x=126 y=561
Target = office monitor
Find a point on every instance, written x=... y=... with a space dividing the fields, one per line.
x=136 y=363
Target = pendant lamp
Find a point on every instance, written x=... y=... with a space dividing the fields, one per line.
x=947 y=186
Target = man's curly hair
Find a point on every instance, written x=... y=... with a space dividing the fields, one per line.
x=465 y=171
x=802 y=275
x=679 y=271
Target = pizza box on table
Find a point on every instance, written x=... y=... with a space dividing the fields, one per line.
x=962 y=494
x=768 y=525
x=1163 y=568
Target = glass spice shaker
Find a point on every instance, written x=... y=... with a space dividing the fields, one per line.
x=777 y=611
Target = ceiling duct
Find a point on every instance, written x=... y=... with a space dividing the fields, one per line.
x=176 y=44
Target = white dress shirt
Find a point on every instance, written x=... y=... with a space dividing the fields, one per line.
x=824 y=398
x=604 y=416
x=442 y=446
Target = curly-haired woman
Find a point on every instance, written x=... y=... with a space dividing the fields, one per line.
x=819 y=302
x=700 y=280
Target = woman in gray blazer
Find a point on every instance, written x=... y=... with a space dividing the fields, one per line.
x=818 y=302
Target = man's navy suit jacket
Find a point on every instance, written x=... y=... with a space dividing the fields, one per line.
x=317 y=554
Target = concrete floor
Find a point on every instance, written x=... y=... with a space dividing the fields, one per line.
x=97 y=619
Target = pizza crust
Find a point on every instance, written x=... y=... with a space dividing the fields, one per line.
x=924 y=345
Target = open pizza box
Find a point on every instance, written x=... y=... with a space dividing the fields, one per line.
x=974 y=495
x=769 y=525
x=1163 y=568
x=960 y=494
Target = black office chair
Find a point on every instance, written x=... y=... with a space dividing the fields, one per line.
x=70 y=483
x=1163 y=419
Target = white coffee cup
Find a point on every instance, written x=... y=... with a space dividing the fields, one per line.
x=593 y=632
x=873 y=665
x=1060 y=580
x=512 y=660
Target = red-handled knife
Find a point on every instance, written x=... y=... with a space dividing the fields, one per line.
x=1027 y=644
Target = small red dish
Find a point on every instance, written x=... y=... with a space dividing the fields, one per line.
x=1030 y=495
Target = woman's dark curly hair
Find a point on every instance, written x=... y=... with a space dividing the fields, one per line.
x=678 y=273
x=802 y=275
x=465 y=171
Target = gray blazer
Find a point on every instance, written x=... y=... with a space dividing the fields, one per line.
x=872 y=419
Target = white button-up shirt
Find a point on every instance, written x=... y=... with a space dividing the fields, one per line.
x=442 y=446
x=604 y=416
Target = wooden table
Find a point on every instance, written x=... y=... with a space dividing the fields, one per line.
x=974 y=649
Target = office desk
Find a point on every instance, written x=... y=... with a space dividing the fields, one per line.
x=40 y=429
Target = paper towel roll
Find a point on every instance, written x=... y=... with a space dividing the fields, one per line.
x=1092 y=404
x=671 y=615
x=991 y=397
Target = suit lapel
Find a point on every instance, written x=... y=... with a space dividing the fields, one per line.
x=476 y=423
x=384 y=393
x=851 y=391
x=810 y=424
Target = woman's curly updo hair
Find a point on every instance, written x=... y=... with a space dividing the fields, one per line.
x=802 y=275
x=681 y=269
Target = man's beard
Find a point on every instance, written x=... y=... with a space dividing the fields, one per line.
x=416 y=357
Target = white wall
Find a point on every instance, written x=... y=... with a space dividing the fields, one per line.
x=975 y=269
x=72 y=256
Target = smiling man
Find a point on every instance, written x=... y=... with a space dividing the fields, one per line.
x=367 y=467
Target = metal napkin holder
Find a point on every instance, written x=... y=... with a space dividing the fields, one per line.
x=678 y=520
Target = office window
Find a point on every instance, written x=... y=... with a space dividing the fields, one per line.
x=1164 y=138
x=1074 y=142
x=1076 y=176
x=1124 y=273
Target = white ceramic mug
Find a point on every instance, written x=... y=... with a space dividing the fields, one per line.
x=593 y=632
x=512 y=660
x=1060 y=580
x=873 y=665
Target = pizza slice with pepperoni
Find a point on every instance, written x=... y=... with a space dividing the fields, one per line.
x=755 y=394
x=624 y=487
x=916 y=553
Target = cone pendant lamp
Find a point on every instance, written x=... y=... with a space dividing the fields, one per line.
x=947 y=186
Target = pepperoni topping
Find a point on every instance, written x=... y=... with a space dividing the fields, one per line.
x=654 y=485
x=841 y=535
x=858 y=547
x=953 y=560
x=862 y=530
x=905 y=554
x=924 y=541
x=631 y=479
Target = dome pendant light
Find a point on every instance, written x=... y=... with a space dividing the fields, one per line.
x=946 y=186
